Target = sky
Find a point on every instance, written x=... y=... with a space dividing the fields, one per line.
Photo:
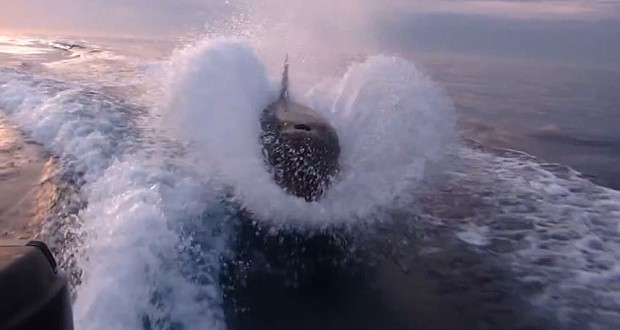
x=569 y=30
x=108 y=17
x=574 y=32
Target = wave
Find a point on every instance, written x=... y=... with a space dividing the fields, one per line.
x=556 y=231
x=393 y=123
x=140 y=259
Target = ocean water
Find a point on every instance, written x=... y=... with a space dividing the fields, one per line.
x=474 y=196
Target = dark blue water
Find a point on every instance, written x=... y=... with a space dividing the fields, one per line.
x=562 y=113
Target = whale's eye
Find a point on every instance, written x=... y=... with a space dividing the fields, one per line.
x=303 y=127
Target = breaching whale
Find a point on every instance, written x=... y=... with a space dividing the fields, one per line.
x=299 y=145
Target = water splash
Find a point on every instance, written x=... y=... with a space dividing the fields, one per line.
x=392 y=120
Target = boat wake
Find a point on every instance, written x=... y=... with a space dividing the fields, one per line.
x=162 y=177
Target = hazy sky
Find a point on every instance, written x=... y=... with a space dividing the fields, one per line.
x=573 y=30
x=107 y=17
x=569 y=31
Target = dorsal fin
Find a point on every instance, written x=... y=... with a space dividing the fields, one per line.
x=284 y=84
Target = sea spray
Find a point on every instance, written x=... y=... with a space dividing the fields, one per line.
x=393 y=123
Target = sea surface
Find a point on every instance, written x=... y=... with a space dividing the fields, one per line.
x=475 y=193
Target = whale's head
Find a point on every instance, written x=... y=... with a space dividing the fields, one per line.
x=301 y=148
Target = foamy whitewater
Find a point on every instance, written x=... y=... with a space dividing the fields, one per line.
x=165 y=157
x=392 y=122
x=138 y=202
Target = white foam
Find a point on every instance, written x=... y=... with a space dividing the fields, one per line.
x=568 y=228
x=70 y=121
x=477 y=236
x=392 y=122
x=135 y=247
x=135 y=252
